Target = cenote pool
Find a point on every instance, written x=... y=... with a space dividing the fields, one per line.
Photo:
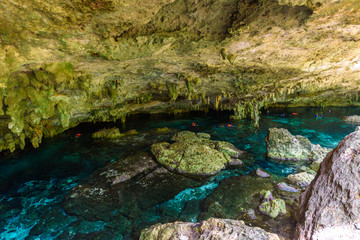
x=34 y=182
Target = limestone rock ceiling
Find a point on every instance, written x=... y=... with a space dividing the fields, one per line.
x=64 y=62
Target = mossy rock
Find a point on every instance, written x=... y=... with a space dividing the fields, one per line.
x=273 y=208
x=110 y=133
x=189 y=158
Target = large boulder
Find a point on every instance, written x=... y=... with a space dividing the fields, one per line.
x=330 y=206
x=116 y=188
x=213 y=228
x=282 y=145
x=195 y=155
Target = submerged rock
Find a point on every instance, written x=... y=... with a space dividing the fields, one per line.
x=196 y=155
x=107 y=133
x=282 y=145
x=115 y=189
x=213 y=228
x=330 y=206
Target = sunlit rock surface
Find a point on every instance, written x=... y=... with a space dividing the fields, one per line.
x=66 y=62
x=195 y=155
x=282 y=145
x=213 y=228
x=330 y=206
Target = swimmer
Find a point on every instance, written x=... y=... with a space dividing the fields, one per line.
x=229 y=125
x=193 y=124
x=294 y=114
x=77 y=135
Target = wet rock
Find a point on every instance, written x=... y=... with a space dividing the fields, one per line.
x=332 y=199
x=284 y=187
x=302 y=179
x=352 y=119
x=266 y=195
x=124 y=169
x=107 y=133
x=318 y=154
x=262 y=173
x=233 y=195
x=210 y=229
x=273 y=208
x=229 y=149
x=192 y=159
x=282 y=145
x=196 y=155
x=116 y=188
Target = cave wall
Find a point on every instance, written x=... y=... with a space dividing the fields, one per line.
x=67 y=62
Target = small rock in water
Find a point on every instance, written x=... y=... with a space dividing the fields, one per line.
x=302 y=179
x=262 y=173
x=266 y=195
x=273 y=208
x=251 y=213
x=353 y=119
x=283 y=186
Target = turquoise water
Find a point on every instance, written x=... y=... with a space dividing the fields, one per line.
x=33 y=183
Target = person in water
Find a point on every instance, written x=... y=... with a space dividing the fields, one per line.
x=193 y=124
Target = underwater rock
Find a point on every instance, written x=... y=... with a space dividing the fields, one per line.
x=284 y=187
x=196 y=155
x=109 y=133
x=124 y=169
x=213 y=228
x=116 y=188
x=273 y=208
x=262 y=173
x=302 y=179
x=352 y=119
x=282 y=145
x=233 y=195
x=330 y=205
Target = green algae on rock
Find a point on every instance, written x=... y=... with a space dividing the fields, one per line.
x=273 y=207
x=103 y=55
x=194 y=154
x=107 y=133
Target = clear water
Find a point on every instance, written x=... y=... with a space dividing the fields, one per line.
x=33 y=183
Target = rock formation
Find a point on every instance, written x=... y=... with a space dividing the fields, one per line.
x=282 y=145
x=196 y=155
x=213 y=228
x=352 y=119
x=68 y=62
x=330 y=206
